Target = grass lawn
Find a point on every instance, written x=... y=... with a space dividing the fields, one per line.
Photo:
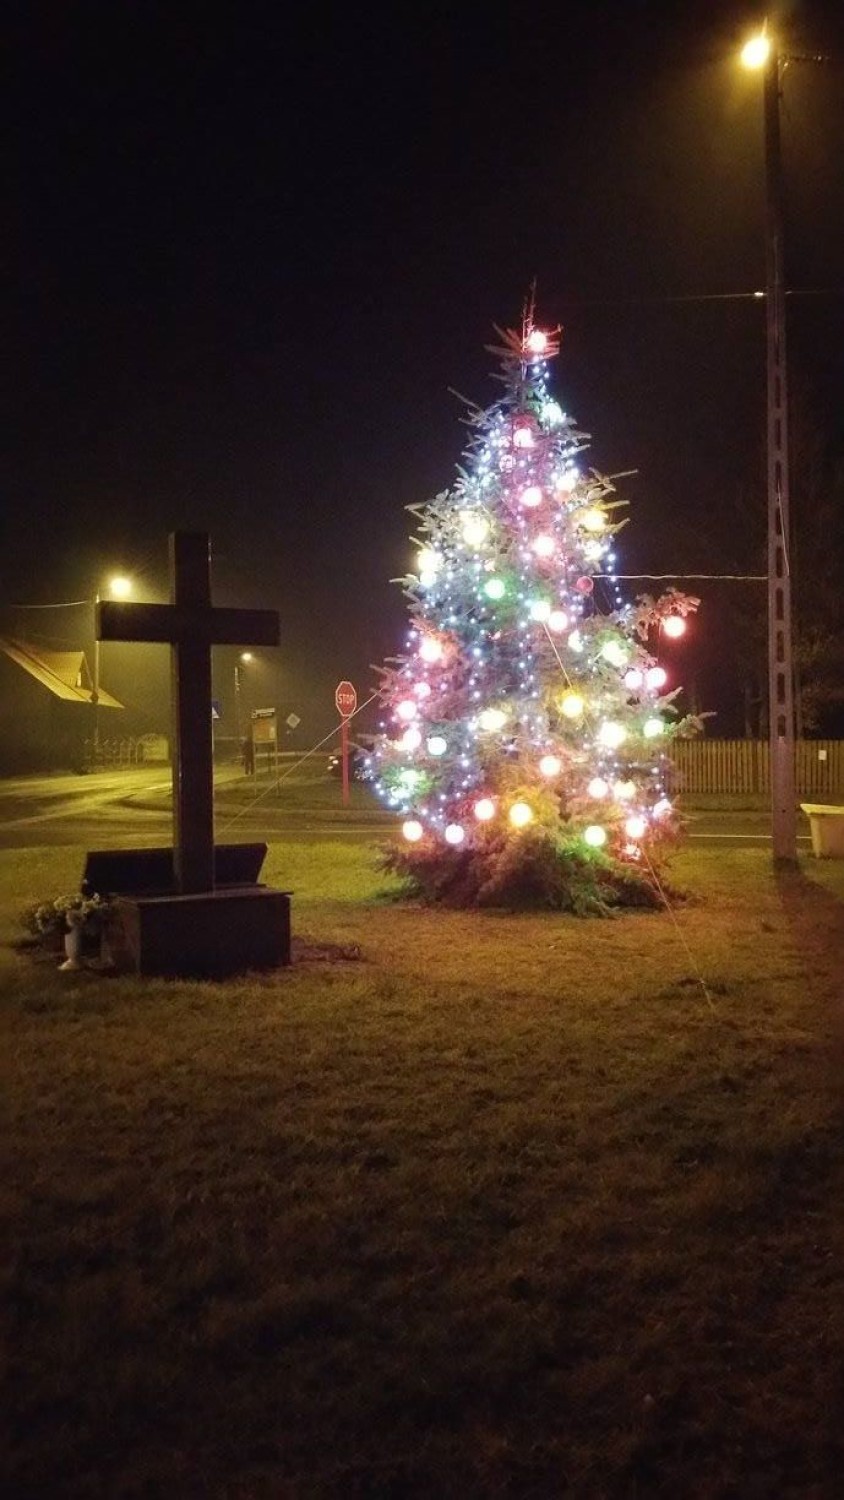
x=458 y=1205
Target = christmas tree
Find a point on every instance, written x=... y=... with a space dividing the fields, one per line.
x=528 y=718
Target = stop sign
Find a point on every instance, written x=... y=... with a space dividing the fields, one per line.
x=346 y=699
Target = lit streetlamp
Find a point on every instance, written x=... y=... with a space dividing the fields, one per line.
x=245 y=658
x=762 y=54
x=118 y=587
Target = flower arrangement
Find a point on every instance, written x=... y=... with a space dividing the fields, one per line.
x=51 y=919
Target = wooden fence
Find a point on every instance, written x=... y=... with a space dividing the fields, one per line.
x=712 y=767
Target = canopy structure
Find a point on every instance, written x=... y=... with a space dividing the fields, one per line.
x=63 y=673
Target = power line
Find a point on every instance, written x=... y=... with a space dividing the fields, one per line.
x=684 y=577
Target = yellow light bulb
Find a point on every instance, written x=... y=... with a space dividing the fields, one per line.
x=756 y=51
x=592 y=519
x=571 y=705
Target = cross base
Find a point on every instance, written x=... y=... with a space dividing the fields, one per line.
x=207 y=936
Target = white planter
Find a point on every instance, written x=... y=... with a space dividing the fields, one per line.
x=827 y=828
x=73 y=949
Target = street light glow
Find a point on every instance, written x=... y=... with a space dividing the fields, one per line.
x=120 y=587
x=755 y=52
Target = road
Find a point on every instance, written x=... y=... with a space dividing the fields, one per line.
x=133 y=806
x=110 y=809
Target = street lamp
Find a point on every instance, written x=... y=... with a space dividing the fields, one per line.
x=761 y=53
x=245 y=657
x=118 y=587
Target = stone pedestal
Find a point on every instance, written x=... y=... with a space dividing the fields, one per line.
x=206 y=936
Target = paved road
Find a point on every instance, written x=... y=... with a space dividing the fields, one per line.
x=108 y=809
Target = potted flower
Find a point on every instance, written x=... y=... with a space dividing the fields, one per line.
x=73 y=923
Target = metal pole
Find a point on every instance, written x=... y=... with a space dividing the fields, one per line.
x=237 y=708
x=95 y=695
x=780 y=660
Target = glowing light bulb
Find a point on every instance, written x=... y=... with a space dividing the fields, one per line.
x=523 y=437
x=422 y=689
x=406 y=710
x=674 y=626
x=431 y=649
x=633 y=679
x=409 y=780
x=411 y=739
x=536 y=341
x=558 y=621
x=520 y=814
x=540 y=609
x=531 y=497
x=484 y=809
x=598 y=787
x=552 y=413
x=437 y=745
x=567 y=481
x=475 y=530
x=492 y=718
x=595 y=836
x=623 y=791
x=755 y=52
x=614 y=652
x=652 y=728
x=428 y=562
x=544 y=546
x=550 y=765
x=656 y=677
x=412 y=831
x=575 y=641
x=592 y=519
x=494 y=588
x=612 y=734
x=662 y=808
x=454 y=834
x=635 y=826
x=572 y=705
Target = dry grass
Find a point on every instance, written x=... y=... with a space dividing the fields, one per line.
x=459 y=1205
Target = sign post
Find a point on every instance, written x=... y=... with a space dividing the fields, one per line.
x=264 y=735
x=346 y=701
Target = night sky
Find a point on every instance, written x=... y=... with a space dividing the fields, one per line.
x=254 y=250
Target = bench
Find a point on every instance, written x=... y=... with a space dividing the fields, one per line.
x=149 y=872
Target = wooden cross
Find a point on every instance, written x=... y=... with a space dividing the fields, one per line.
x=191 y=625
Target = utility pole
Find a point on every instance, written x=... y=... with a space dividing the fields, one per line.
x=762 y=52
x=780 y=657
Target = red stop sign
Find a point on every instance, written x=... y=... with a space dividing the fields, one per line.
x=346 y=699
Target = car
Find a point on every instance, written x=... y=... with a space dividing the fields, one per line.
x=357 y=759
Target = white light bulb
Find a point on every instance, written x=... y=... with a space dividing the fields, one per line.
x=612 y=734
x=595 y=836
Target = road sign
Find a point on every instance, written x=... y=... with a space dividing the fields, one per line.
x=215 y=710
x=292 y=720
x=263 y=713
x=346 y=699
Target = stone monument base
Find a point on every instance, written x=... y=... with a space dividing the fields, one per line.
x=206 y=936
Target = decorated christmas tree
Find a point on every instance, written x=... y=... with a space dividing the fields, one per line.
x=527 y=722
